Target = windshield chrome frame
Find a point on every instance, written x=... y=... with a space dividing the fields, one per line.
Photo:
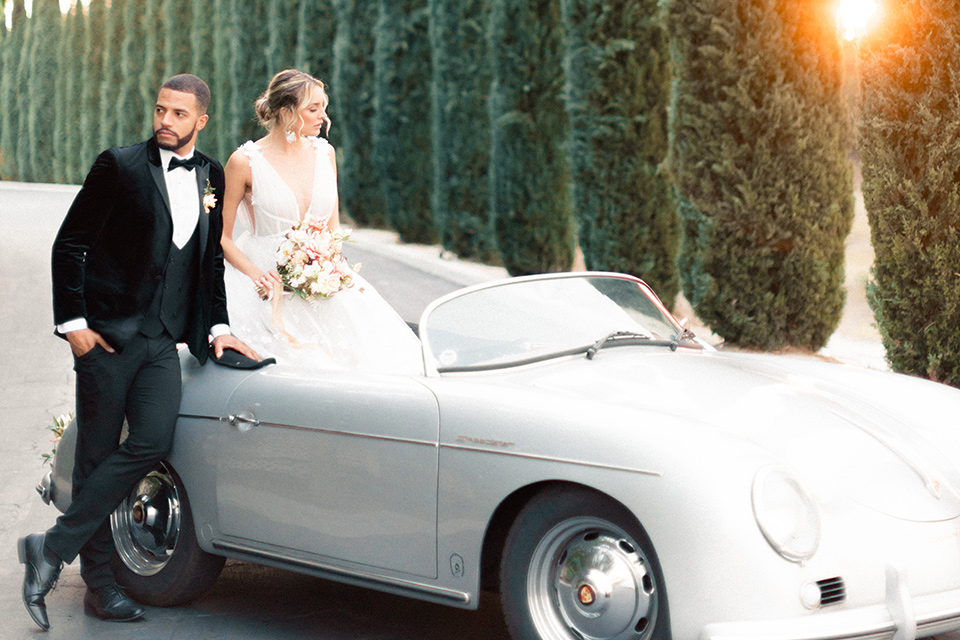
x=429 y=363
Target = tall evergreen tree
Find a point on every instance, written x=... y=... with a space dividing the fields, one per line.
x=203 y=65
x=9 y=90
x=225 y=138
x=110 y=74
x=530 y=202
x=910 y=87
x=129 y=103
x=67 y=117
x=316 y=28
x=91 y=79
x=617 y=90
x=281 y=36
x=352 y=99
x=177 y=21
x=73 y=165
x=42 y=89
x=248 y=67
x=152 y=76
x=461 y=134
x=24 y=169
x=401 y=135
x=761 y=144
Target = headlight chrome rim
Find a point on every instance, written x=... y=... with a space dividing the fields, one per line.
x=801 y=540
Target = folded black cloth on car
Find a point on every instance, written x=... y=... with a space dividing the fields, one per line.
x=236 y=360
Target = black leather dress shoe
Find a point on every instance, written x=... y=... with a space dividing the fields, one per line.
x=111 y=603
x=39 y=578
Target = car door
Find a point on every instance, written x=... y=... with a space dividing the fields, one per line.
x=334 y=463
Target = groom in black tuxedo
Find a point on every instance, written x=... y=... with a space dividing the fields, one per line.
x=137 y=268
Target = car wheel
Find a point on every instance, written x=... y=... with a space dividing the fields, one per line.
x=158 y=559
x=576 y=565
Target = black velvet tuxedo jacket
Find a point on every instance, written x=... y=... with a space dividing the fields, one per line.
x=110 y=253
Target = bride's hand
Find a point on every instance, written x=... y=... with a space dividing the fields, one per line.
x=265 y=283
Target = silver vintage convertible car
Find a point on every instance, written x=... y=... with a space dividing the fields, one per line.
x=572 y=445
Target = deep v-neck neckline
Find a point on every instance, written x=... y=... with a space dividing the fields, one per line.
x=313 y=183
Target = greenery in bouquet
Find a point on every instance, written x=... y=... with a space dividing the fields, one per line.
x=310 y=261
x=59 y=424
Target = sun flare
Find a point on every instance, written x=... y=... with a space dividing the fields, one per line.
x=855 y=17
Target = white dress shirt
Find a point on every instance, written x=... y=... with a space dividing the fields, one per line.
x=184 y=212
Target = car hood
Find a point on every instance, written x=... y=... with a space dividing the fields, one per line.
x=843 y=430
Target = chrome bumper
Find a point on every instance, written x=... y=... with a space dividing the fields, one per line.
x=900 y=617
x=46 y=488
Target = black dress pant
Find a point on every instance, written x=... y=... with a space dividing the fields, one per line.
x=143 y=384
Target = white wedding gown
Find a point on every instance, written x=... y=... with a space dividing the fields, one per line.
x=354 y=329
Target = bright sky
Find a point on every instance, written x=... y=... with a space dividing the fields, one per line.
x=855 y=17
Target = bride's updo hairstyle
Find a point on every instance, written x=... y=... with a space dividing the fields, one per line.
x=280 y=104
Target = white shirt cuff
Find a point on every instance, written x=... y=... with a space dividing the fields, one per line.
x=218 y=330
x=72 y=325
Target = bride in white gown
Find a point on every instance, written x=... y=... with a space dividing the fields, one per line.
x=271 y=184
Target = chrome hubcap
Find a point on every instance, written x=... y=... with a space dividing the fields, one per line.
x=146 y=525
x=589 y=579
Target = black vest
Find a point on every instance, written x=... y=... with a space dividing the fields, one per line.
x=173 y=302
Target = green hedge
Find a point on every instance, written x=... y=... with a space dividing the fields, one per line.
x=617 y=90
x=760 y=156
x=911 y=172
x=530 y=202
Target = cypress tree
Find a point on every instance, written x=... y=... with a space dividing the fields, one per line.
x=530 y=203
x=203 y=65
x=401 y=132
x=73 y=166
x=42 y=89
x=66 y=59
x=761 y=143
x=225 y=138
x=129 y=102
x=316 y=28
x=617 y=90
x=281 y=37
x=352 y=99
x=110 y=74
x=177 y=21
x=92 y=74
x=248 y=68
x=461 y=134
x=911 y=172
x=156 y=33
x=9 y=90
x=24 y=169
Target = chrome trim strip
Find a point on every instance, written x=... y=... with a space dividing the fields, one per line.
x=533 y=456
x=354 y=434
x=361 y=578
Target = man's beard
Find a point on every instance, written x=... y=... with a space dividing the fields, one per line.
x=173 y=146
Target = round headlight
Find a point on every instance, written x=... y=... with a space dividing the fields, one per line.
x=786 y=514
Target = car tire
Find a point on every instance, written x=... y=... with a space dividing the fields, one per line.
x=157 y=559
x=578 y=565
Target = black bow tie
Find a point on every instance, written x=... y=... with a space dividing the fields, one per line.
x=192 y=162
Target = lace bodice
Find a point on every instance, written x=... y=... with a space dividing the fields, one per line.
x=275 y=207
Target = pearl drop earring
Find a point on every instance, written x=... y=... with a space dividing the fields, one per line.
x=290 y=136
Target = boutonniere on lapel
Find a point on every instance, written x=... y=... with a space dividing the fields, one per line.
x=209 y=199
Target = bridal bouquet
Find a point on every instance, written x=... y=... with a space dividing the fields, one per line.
x=310 y=261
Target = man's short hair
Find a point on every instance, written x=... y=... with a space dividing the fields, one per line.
x=188 y=83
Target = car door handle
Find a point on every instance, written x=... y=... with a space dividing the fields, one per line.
x=246 y=418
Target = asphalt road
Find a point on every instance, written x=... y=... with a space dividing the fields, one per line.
x=248 y=602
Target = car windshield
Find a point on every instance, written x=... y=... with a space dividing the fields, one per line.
x=525 y=320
